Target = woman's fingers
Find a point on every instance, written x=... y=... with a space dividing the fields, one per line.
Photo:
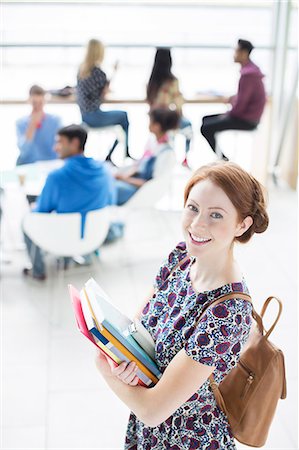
x=135 y=381
x=126 y=372
x=130 y=377
x=119 y=369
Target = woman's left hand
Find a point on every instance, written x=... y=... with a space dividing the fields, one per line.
x=120 y=176
x=126 y=372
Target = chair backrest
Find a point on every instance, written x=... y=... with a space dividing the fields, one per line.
x=60 y=234
x=150 y=193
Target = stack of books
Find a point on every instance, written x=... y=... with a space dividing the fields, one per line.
x=113 y=332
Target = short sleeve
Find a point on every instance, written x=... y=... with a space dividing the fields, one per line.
x=100 y=77
x=178 y=254
x=219 y=336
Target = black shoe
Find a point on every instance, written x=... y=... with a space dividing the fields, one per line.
x=28 y=273
x=109 y=160
x=130 y=156
x=108 y=157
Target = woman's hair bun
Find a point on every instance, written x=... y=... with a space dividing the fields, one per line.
x=260 y=216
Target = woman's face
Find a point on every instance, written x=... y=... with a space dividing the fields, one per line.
x=210 y=221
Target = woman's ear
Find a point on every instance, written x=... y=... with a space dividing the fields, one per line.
x=244 y=226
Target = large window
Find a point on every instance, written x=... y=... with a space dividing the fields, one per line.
x=202 y=35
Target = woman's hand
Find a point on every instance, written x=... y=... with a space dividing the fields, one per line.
x=126 y=372
x=104 y=364
x=120 y=176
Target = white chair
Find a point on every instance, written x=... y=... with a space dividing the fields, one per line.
x=237 y=145
x=145 y=199
x=60 y=234
x=149 y=194
x=186 y=132
x=104 y=134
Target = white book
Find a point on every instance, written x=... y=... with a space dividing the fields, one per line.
x=104 y=310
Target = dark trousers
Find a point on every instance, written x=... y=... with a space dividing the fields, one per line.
x=99 y=118
x=221 y=122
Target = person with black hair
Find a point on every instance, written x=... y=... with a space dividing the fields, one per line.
x=36 y=132
x=247 y=105
x=157 y=160
x=81 y=185
x=163 y=92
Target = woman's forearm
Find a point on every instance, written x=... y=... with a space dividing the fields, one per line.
x=138 y=182
x=137 y=398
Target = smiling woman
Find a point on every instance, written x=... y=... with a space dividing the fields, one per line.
x=193 y=338
x=223 y=205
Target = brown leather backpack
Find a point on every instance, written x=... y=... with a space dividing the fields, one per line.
x=249 y=393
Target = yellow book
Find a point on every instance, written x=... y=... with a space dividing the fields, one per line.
x=106 y=350
x=119 y=345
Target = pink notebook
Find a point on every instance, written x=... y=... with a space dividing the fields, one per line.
x=75 y=297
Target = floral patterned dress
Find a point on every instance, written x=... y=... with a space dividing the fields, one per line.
x=171 y=317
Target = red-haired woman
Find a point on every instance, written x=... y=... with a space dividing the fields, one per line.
x=224 y=205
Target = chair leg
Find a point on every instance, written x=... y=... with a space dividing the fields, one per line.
x=55 y=310
x=218 y=149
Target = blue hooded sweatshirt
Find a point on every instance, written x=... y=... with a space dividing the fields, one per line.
x=81 y=185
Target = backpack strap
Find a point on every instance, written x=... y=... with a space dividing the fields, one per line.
x=259 y=319
x=224 y=297
x=180 y=263
x=264 y=308
x=243 y=296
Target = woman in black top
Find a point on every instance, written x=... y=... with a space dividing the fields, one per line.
x=92 y=85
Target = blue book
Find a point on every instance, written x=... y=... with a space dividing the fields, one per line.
x=118 y=325
x=143 y=377
x=130 y=343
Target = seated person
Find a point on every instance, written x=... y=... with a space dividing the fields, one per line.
x=247 y=105
x=163 y=92
x=36 y=132
x=157 y=160
x=81 y=185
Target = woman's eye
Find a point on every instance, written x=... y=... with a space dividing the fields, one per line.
x=216 y=215
x=192 y=208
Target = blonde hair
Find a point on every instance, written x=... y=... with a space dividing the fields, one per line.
x=94 y=56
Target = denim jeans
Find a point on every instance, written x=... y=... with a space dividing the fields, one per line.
x=124 y=191
x=99 y=119
x=184 y=123
x=36 y=257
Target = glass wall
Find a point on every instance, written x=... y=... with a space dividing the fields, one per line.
x=202 y=35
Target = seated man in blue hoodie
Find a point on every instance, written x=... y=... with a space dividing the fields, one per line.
x=36 y=132
x=81 y=185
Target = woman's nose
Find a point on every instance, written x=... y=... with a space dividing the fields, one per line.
x=199 y=221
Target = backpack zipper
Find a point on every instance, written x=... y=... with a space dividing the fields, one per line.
x=249 y=380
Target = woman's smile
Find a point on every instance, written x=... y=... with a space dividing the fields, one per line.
x=196 y=240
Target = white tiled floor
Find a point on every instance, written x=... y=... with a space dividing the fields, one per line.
x=53 y=397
